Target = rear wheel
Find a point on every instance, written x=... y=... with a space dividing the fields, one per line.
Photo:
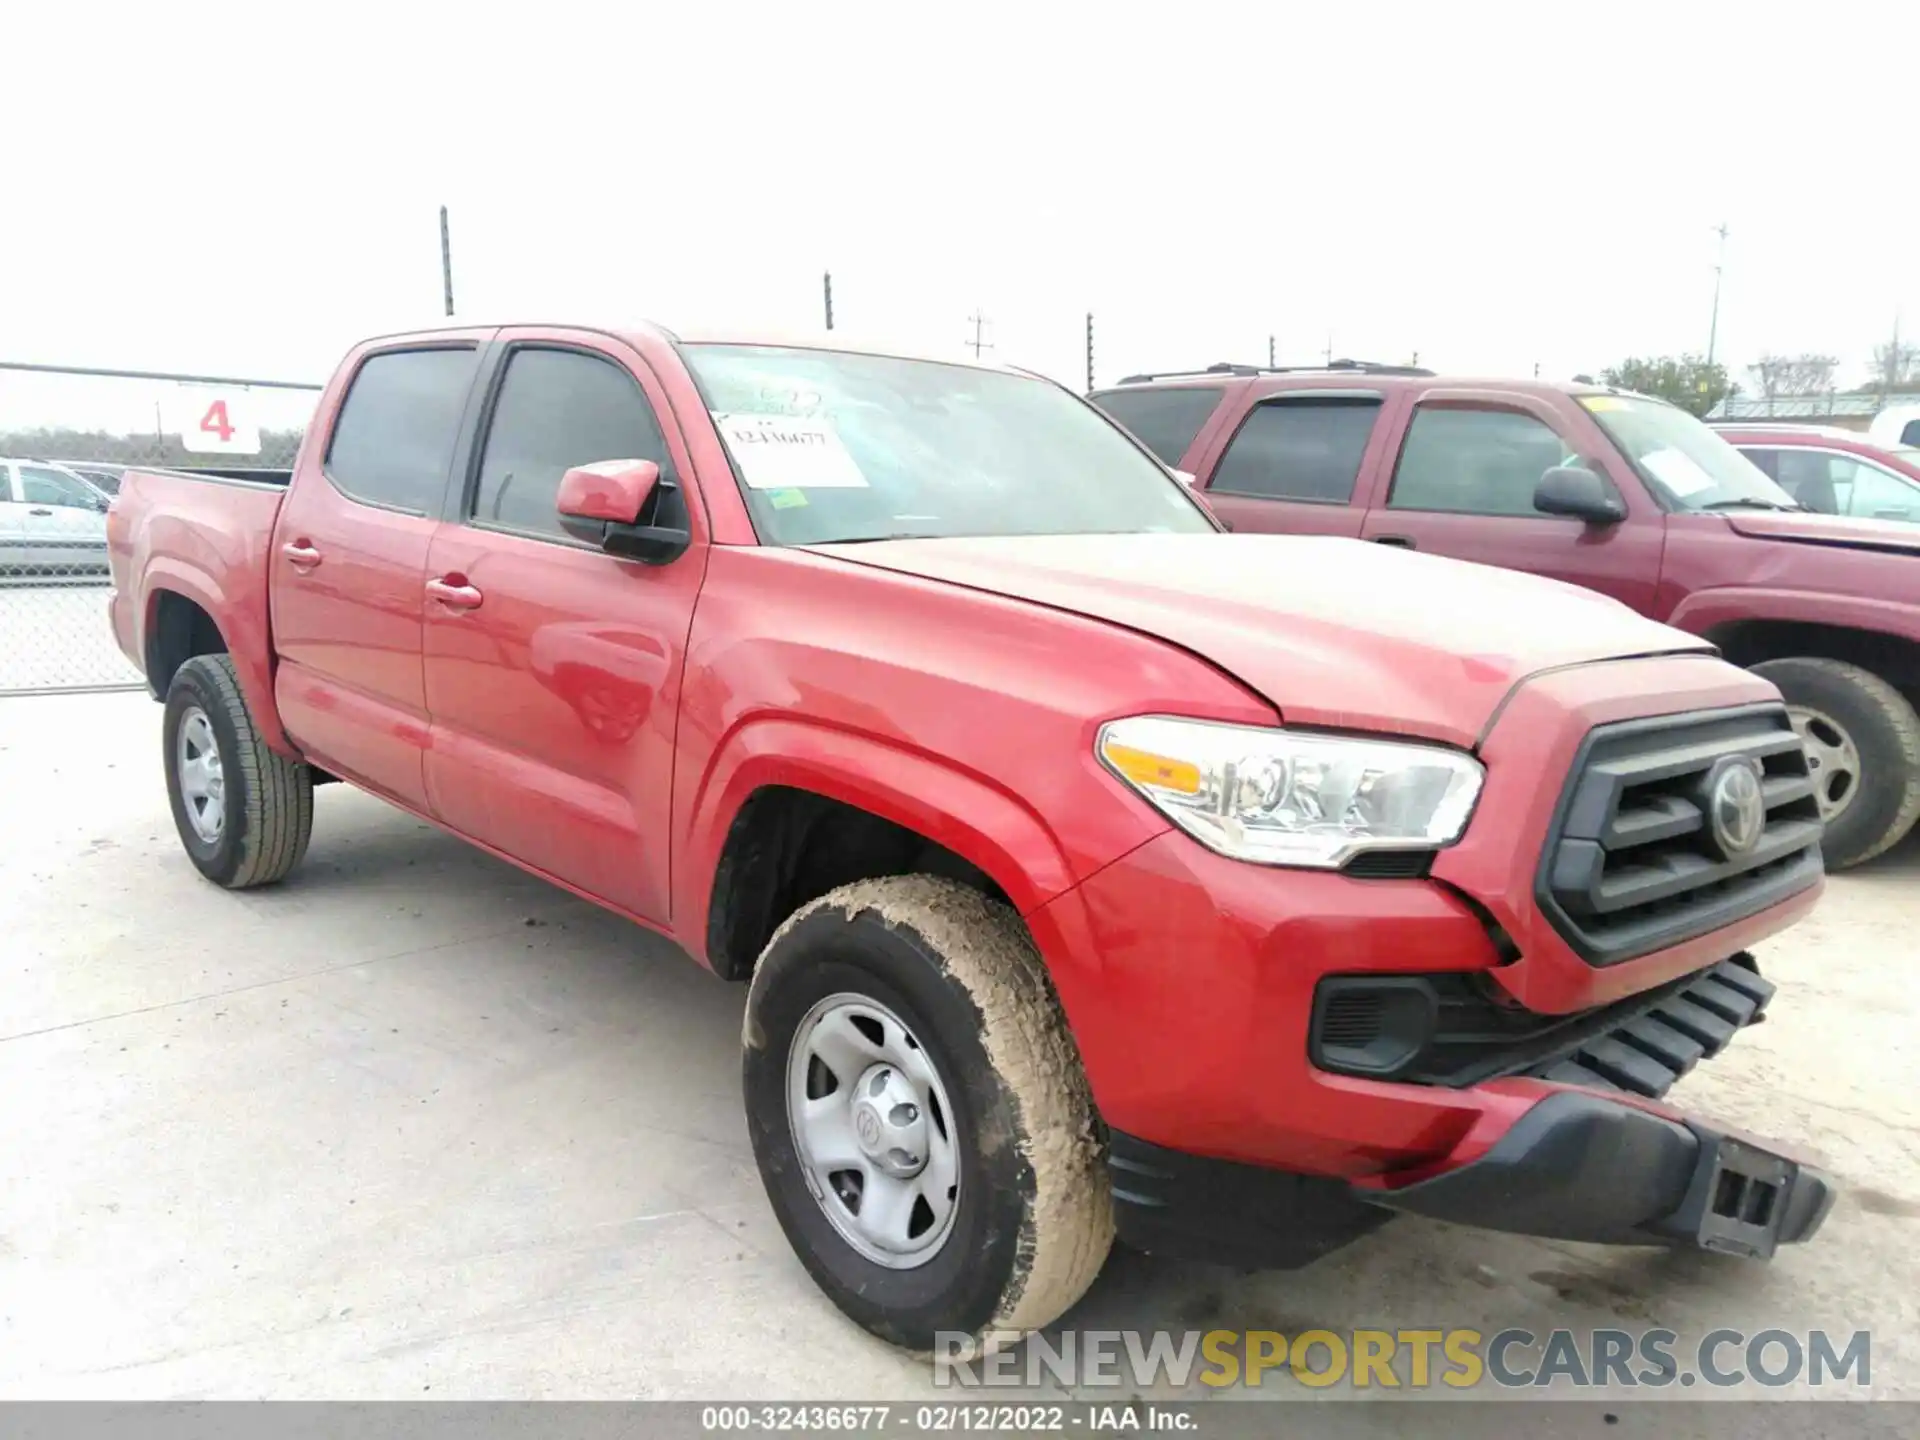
x=244 y=812
x=1863 y=747
x=920 y=1117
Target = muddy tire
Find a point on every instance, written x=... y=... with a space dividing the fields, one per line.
x=244 y=812
x=1863 y=740
x=920 y=1011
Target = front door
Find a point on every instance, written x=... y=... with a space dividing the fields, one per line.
x=348 y=566
x=1463 y=486
x=552 y=668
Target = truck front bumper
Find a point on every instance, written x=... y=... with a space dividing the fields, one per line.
x=1574 y=1166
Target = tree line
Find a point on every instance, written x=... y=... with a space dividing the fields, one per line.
x=1698 y=385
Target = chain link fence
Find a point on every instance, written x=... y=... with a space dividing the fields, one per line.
x=67 y=436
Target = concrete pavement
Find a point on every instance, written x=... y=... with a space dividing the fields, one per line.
x=415 y=1125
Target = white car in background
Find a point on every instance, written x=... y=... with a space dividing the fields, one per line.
x=53 y=524
x=1896 y=425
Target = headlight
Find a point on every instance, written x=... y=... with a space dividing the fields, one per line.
x=1285 y=798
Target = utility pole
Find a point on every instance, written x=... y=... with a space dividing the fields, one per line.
x=1719 y=268
x=1272 y=364
x=1089 y=352
x=1329 y=347
x=979 y=323
x=827 y=285
x=446 y=261
x=1893 y=363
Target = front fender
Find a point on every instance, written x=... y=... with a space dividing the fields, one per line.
x=1707 y=610
x=975 y=818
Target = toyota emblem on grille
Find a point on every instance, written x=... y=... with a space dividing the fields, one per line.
x=1737 y=808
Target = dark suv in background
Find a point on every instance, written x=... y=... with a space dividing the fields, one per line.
x=1598 y=487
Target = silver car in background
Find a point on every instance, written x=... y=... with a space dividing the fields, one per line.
x=53 y=524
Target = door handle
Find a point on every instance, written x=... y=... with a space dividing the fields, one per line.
x=302 y=555
x=39 y=510
x=457 y=597
x=1399 y=542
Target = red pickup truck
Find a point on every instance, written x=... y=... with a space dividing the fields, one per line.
x=1601 y=488
x=1090 y=868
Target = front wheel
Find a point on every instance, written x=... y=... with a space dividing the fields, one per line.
x=920 y=1116
x=1863 y=749
x=243 y=811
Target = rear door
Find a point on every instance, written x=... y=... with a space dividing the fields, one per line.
x=1292 y=464
x=1462 y=485
x=349 y=561
x=553 y=670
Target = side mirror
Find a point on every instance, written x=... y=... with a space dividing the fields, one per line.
x=606 y=503
x=1577 y=491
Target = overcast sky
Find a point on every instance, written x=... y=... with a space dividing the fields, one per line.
x=248 y=189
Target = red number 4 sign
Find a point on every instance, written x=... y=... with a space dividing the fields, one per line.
x=215 y=422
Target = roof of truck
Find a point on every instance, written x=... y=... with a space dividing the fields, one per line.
x=1361 y=375
x=858 y=342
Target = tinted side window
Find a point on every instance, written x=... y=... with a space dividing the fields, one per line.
x=1165 y=421
x=394 y=438
x=1298 y=450
x=557 y=409
x=1477 y=462
x=1910 y=433
x=1767 y=460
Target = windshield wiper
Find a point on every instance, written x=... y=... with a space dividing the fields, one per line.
x=871 y=539
x=1744 y=503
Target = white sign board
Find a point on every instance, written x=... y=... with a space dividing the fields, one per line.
x=785 y=452
x=214 y=422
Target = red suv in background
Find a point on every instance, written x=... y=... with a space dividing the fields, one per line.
x=1598 y=487
x=1834 y=471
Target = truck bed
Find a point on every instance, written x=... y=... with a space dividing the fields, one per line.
x=204 y=537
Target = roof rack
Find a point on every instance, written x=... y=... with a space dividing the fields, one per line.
x=1361 y=367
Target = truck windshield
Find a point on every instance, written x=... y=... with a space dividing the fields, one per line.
x=1689 y=465
x=836 y=446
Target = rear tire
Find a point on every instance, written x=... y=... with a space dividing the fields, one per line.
x=1863 y=740
x=244 y=812
x=968 y=1022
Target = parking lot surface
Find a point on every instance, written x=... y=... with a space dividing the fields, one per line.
x=416 y=1125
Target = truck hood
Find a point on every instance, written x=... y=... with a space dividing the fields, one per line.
x=1811 y=529
x=1332 y=632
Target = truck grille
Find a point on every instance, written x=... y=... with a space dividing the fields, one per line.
x=1676 y=826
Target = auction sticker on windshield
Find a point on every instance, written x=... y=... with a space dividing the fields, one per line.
x=1679 y=473
x=785 y=452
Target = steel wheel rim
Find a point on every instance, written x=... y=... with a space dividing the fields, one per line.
x=887 y=1180
x=1833 y=759
x=203 y=788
